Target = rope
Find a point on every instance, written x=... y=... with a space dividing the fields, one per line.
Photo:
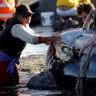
x=88 y=52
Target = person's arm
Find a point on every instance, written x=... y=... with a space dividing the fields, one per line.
x=28 y=35
x=24 y=34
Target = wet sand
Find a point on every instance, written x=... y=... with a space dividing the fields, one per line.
x=29 y=66
x=32 y=64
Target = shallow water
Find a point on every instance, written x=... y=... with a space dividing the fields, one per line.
x=22 y=90
x=33 y=92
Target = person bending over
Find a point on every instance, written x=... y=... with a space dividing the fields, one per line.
x=14 y=39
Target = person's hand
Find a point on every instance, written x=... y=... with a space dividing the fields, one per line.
x=56 y=38
x=51 y=39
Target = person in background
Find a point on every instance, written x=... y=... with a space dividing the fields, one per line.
x=67 y=8
x=7 y=8
x=83 y=9
x=13 y=40
x=36 y=9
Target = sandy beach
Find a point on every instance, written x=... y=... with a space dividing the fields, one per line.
x=31 y=64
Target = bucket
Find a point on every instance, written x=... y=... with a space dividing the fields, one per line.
x=47 y=18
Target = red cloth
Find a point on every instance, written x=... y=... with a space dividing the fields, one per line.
x=5 y=78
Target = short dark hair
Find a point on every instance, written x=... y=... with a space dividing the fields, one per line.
x=84 y=7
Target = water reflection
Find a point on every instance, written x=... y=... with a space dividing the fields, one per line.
x=9 y=93
x=32 y=92
x=87 y=92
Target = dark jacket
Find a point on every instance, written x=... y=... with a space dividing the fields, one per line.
x=10 y=45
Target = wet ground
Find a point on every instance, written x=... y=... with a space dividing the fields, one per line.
x=22 y=90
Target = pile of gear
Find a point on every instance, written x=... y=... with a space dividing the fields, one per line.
x=66 y=23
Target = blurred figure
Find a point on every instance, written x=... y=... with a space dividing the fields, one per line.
x=83 y=9
x=68 y=7
x=94 y=2
x=7 y=8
